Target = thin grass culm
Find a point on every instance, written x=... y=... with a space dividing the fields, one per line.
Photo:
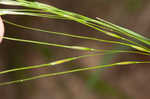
x=126 y=37
x=72 y=71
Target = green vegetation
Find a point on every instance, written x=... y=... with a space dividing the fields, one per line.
x=129 y=38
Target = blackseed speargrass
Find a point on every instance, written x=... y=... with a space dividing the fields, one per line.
x=47 y=11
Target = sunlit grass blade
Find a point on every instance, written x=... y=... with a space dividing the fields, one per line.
x=10 y=2
x=52 y=44
x=60 y=33
x=77 y=17
x=72 y=16
x=61 y=45
x=72 y=71
x=53 y=63
x=85 y=20
x=81 y=37
x=21 y=12
x=81 y=19
x=123 y=31
x=70 y=59
x=113 y=34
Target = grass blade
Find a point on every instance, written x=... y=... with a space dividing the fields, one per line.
x=52 y=44
x=81 y=37
x=69 y=59
x=72 y=71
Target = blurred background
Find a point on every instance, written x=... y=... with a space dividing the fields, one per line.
x=122 y=82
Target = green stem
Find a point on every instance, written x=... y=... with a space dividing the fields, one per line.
x=71 y=71
x=82 y=37
x=69 y=59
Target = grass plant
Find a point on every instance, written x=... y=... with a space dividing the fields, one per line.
x=127 y=37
